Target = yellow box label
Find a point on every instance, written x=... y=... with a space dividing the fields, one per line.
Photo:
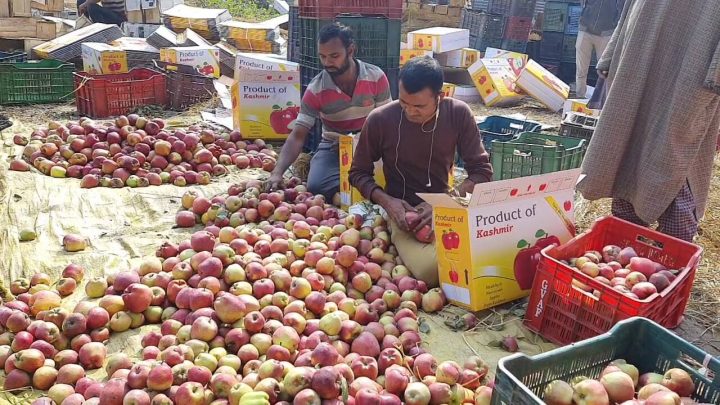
x=423 y=41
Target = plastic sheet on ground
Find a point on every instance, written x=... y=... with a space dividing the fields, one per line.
x=125 y=225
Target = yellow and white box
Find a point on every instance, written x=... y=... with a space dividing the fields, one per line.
x=459 y=58
x=257 y=61
x=103 y=59
x=407 y=54
x=579 y=105
x=439 y=39
x=205 y=59
x=544 y=86
x=265 y=103
x=495 y=81
x=488 y=251
x=350 y=195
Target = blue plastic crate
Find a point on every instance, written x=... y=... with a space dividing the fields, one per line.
x=573 y=20
x=499 y=128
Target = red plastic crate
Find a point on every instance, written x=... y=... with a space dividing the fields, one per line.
x=518 y=28
x=100 y=96
x=328 y=9
x=565 y=314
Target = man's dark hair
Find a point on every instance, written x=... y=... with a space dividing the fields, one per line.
x=336 y=30
x=422 y=72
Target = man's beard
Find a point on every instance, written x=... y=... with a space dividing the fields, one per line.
x=344 y=68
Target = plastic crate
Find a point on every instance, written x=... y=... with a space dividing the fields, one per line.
x=294 y=34
x=500 y=7
x=13 y=57
x=486 y=30
x=533 y=153
x=552 y=66
x=551 y=46
x=568 y=48
x=185 y=86
x=518 y=8
x=517 y=28
x=480 y=5
x=393 y=76
x=576 y=131
x=515 y=46
x=328 y=9
x=36 y=82
x=100 y=96
x=499 y=128
x=307 y=74
x=520 y=379
x=377 y=40
x=555 y=17
x=563 y=314
x=573 y=19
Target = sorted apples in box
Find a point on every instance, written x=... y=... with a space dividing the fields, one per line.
x=623 y=270
x=621 y=383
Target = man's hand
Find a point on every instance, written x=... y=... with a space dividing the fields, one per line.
x=396 y=209
x=466 y=187
x=603 y=74
x=424 y=210
x=82 y=9
x=274 y=182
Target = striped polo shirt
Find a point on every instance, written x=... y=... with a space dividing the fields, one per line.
x=339 y=112
x=117 y=6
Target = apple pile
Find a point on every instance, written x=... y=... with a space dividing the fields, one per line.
x=621 y=383
x=283 y=307
x=623 y=270
x=133 y=151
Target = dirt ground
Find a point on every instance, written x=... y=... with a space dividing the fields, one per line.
x=127 y=224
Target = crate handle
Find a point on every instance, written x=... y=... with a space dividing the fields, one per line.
x=699 y=370
x=589 y=294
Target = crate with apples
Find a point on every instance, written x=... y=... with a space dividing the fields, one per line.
x=613 y=271
x=637 y=363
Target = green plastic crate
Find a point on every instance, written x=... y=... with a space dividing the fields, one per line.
x=520 y=380
x=533 y=153
x=36 y=82
x=377 y=40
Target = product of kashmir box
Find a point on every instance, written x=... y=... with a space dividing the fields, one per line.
x=205 y=59
x=489 y=249
x=495 y=81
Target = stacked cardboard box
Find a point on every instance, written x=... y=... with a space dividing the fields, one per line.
x=26 y=23
x=421 y=14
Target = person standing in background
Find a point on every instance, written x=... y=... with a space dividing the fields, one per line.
x=597 y=23
x=653 y=149
x=109 y=12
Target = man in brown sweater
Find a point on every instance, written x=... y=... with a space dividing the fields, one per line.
x=416 y=138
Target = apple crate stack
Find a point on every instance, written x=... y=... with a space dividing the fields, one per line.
x=25 y=24
x=561 y=20
x=518 y=16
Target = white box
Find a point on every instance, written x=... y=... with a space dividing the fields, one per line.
x=459 y=58
x=439 y=39
x=257 y=61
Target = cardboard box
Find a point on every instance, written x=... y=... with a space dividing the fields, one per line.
x=407 y=54
x=205 y=59
x=20 y=8
x=460 y=58
x=48 y=5
x=468 y=94
x=439 y=39
x=103 y=59
x=140 y=30
x=4 y=8
x=488 y=250
x=495 y=80
x=543 y=86
x=257 y=61
x=579 y=106
x=350 y=195
x=265 y=103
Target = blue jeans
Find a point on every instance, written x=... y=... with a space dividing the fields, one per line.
x=324 y=175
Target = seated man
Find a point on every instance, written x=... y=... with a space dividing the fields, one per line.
x=111 y=11
x=416 y=137
x=342 y=96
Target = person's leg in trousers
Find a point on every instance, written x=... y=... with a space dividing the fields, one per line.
x=420 y=258
x=583 y=54
x=324 y=174
x=680 y=219
x=99 y=14
x=624 y=210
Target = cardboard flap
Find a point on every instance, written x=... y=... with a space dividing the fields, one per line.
x=523 y=187
x=267 y=76
x=440 y=200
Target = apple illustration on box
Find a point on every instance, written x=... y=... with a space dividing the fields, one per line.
x=528 y=258
x=345 y=159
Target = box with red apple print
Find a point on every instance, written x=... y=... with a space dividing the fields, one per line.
x=488 y=249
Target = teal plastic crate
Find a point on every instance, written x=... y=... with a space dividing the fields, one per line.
x=377 y=40
x=533 y=153
x=499 y=128
x=520 y=379
x=555 y=17
x=36 y=82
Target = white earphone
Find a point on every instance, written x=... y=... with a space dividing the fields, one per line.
x=432 y=143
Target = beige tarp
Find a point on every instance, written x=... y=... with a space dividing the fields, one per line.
x=124 y=225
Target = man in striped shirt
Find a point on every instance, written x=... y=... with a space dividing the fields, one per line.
x=110 y=12
x=342 y=96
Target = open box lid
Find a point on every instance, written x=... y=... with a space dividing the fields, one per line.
x=505 y=190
